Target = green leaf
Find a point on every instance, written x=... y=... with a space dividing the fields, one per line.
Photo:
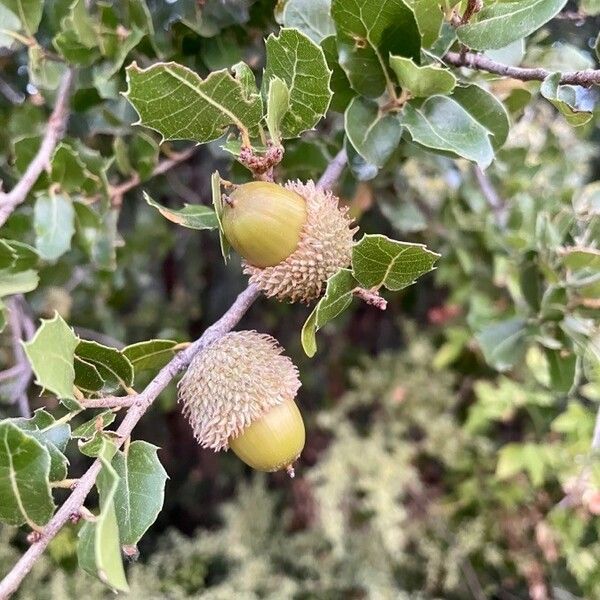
x=563 y=369
x=7 y=255
x=87 y=377
x=337 y=298
x=367 y=33
x=109 y=68
x=361 y=169
x=20 y=282
x=10 y=22
x=43 y=72
x=442 y=124
x=176 y=102
x=54 y=223
x=151 y=354
x=564 y=98
x=98 y=422
x=422 y=81
x=311 y=17
x=26 y=255
x=429 y=16
x=82 y=24
x=300 y=63
x=278 y=104
x=112 y=365
x=504 y=22
x=140 y=494
x=516 y=458
x=486 y=109
x=581 y=258
x=29 y=12
x=68 y=170
x=374 y=135
x=339 y=84
x=67 y=44
x=379 y=261
x=51 y=352
x=217 y=200
x=192 y=216
x=99 y=551
x=503 y=343
x=53 y=435
x=25 y=495
x=144 y=152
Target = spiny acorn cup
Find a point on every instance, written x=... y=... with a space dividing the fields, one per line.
x=239 y=393
x=292 y=238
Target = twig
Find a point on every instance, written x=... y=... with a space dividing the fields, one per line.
x=333 y=171
x=479 y=62
x=109 y=402
x=142 y=402
x=371 y=297
x=489 y=192
x=21 y=328
x=474 y=6
x=54 y=132
x=117 y=192
x=572 y=15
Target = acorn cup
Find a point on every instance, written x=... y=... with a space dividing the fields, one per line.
x=239 y=393
x=292 y=238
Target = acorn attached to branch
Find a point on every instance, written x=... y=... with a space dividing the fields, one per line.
x=239 y=393
x=292 y=238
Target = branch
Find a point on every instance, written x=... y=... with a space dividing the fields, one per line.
x=479 y=62
x=54 y=132
x=333 y=171
x=141 y=403
x=489 y=192
x=117 y=192
x=21 y=328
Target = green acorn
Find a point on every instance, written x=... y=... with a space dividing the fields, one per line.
x=292 y=238
x=239 y=393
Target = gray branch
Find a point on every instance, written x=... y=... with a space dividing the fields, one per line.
x=54 y=133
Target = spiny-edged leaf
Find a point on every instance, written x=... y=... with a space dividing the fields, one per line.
x=337 y=298
x=54 y=224
x=422 y=81
x=486 y=109
x=67 y=169
x=429 y=16
x=26 y=256
x=503 y=343
x=112 y=365
x=87 y=376
x=99 y=552
x=52 y=435
x=108 y=68
x=151 y=354
x=373 y=134
x=217 y=200
x=20 y=282
x=379 y=261
x=29 y=13
x=140 y=494
x=72 y=50
x=278 y=103
x=89 y=428
x=51 y=352
x=92 y=446
x=25 y=495
x=578 y=258
x=10 y=22
x=339 y=84
x=564 y=98
x=311 y=17
x=300 y=63
x=367 y=33
x=193 y=216
x=81 y=22
x=179 y=104
x=442 y=124
x=501 y=23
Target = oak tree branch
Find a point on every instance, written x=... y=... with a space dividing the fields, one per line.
x=479 y=62
x=54 y=132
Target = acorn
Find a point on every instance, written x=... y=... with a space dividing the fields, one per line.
x=292 y=238
x=239 y=393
